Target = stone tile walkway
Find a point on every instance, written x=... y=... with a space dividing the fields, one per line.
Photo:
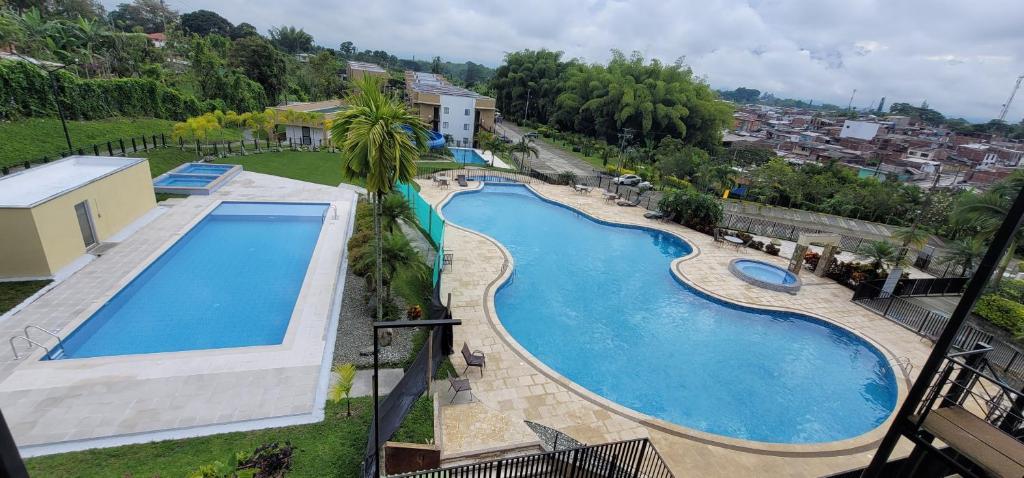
x=64 y=404
x=516 y=387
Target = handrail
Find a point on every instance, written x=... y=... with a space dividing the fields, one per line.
x=59 y=341
x=30 y=341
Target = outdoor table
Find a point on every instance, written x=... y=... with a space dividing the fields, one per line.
x=734 y=241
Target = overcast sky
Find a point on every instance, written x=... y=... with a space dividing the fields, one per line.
x=963 y=57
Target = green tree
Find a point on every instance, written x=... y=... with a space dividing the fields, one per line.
x=437 y=66
x=380 y=141
x=150 y=16
x=985 y=212
x=341 y=388
x=325 y=74
x=393 y=208
x=394 y=254
x=525 y=148
x=261 y=62
x=243 y=30
x=965 y=252
x=882 y=254
x=205 y=22
x=291 y=40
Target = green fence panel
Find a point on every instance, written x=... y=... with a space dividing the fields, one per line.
x=429 y=220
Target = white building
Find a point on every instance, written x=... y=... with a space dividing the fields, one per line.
x=308 y=131
x=866 y=130
x=456 y=113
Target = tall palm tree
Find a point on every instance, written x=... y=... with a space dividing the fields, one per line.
x=717 y=176
x=526 y=148
x=985 y=213
x=490 y=143
x=380 y=140
x=965 y=253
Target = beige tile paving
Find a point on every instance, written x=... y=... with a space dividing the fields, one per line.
x=74 y=401
x=516 y=387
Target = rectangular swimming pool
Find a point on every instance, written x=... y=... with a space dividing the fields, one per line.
x=231 y=281
x=467 y=156
x=195 y=178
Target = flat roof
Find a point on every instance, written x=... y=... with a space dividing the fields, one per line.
x=360 y=65
x=40 y=183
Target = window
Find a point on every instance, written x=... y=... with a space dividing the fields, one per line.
x=465 y=127
x=444 y=125
x=467 y=111
x=445 y=110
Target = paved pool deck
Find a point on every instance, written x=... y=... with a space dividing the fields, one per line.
x=63 y=405
x=517 y=387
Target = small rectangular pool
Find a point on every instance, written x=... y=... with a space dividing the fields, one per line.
x=231 y=281
x=468 y=156
x=195 y=178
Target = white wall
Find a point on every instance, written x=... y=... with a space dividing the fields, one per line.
x=859 y=129
x=459 y=124
x=294 y=134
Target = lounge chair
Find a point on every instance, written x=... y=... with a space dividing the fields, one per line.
x=462 y=180
x=625 y=203
x=460 y=385
x=475 y=358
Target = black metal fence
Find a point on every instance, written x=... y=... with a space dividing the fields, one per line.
x=149 y=142
x=784 y=231
x=929 y=324
x=625 y=459
x=912 y=287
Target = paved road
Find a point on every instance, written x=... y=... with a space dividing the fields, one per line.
x=552 y=160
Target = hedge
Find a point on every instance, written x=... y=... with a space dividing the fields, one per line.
x=25 y=91
x=1002 y=312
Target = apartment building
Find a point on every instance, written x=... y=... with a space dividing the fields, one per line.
x=455 y=112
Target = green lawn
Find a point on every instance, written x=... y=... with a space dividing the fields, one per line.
x=314 y=167
x=32 y=138
x=331 y=448
x=13 y=293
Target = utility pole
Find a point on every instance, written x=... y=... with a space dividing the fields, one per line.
x=526 y=115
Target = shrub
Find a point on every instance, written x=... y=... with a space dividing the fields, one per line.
x=771 y=249
x=698 y=211
x=1002 y=312
x=756 y=245
x=745 y=237
x=675 y=182
x=1012 y=289
x=567 y=177
x=617 y=171
x=811 y=259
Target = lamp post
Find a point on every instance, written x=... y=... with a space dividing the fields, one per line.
x=624 y=137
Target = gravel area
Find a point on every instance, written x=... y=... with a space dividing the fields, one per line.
x=355 y=332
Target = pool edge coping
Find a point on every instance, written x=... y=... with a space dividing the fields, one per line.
x=861 y=443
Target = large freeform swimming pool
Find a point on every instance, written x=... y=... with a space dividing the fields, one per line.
x=598 y=304
x=231 y=281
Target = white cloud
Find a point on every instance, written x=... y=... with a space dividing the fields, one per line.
x=962 y=57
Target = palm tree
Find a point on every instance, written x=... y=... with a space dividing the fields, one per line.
x=346 y=374
x=985 y=213
x=380 y=141
x=881 y=254
x=965 y=253
x=395 y=254
x=526 y=148
x=392 y=208
x=717 y=176
x=491 y=143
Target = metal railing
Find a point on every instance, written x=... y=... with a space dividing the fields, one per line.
x=1005 y=357
x=912 y=287
x=784 y=231
x=625 y=459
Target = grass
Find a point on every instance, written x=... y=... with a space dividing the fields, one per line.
x=331 y=448
x=314 y=167
x=32 y=138
x=594 y=161
x=14 y=293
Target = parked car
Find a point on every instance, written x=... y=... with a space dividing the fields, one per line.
x=531 y=135
x=645 y=186
x=628 y=180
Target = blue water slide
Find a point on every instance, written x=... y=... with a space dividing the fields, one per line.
x=434 y=139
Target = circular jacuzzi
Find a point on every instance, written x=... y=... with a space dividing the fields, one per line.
x=765 y=275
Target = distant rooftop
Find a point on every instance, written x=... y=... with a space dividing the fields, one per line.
x=40 y=183
x=436 y=84
x=359 y=65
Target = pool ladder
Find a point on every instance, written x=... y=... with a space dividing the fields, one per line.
x=26 y=338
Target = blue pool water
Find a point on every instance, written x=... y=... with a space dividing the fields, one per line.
x=186 y=180
x=199 y=168
x=467 y=156
x=231 y=281
x=766 y=272
x=598 y=304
